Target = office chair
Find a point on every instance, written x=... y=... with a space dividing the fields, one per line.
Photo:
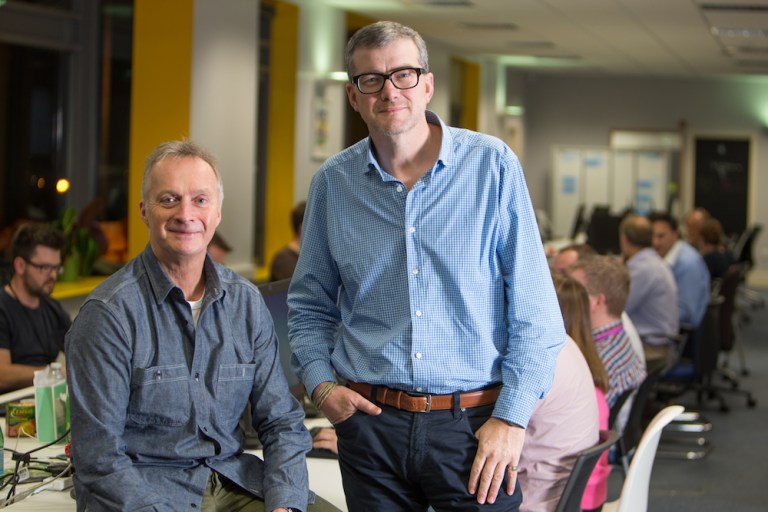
x=726 y=330
x=742 y=253
x=634 y=491
x=617 y=406
x=570 y=500
x=633 y=430
x=694 y=371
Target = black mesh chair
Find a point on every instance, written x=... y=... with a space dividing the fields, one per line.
x=617 y=406
x=634 y=428
x=742 y=253
x=570 y=500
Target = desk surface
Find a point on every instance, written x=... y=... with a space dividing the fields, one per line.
x=324 y=477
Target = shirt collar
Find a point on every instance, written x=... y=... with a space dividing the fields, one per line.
x=442 y=158
x=673 y=253
x=162 y=285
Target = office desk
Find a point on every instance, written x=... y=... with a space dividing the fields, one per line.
x=324 y=477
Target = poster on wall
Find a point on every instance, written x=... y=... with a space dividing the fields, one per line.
x=722 y=180
x=327 y=120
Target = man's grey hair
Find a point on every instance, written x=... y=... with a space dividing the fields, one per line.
x=179 y=149
x=380 y=35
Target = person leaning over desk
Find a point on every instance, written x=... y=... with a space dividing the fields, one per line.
x=163 y=358
x=422 y=282
x=32 y=323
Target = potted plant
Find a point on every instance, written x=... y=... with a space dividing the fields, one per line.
x=80 y=247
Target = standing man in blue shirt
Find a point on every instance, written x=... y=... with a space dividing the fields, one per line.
x=163 y=358
x=422 y=283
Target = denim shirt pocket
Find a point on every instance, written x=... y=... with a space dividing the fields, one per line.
x=233 y=389
x=160 y=396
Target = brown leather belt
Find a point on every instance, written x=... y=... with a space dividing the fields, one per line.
x=424 y=403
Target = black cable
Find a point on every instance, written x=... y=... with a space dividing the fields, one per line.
x=26 y=457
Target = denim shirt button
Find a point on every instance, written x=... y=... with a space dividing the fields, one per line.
x=194 y=505
x=197 y=377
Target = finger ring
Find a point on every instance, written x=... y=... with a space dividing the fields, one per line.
x=514 y=468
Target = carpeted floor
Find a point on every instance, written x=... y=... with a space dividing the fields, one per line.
x=733 y=477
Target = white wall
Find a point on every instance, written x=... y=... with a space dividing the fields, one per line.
x=575 y=110
x=223 y=112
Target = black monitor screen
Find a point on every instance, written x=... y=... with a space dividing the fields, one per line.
x=276 y=298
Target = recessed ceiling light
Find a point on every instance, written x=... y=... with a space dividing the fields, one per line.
x=740 y=32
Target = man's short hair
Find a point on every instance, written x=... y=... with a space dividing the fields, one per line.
x=33 y=234
x=380 y=35
x=178 y=149
x=637 y=230
x=664 y=217
x=297 y=216
x=608 y=276
x=583 y=250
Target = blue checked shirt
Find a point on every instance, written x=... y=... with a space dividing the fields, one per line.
x=438 y=289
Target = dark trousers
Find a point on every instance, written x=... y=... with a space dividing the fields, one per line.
x=406 y=461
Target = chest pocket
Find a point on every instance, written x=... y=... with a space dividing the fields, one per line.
x=160 y=396
x=233 y=388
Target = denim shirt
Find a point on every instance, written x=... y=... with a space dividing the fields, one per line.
x=156 y=401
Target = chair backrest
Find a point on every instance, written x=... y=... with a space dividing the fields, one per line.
x=617 y=406
x=742 y=251
x=570 y=500
x=634 y=428
x=728 y=288
x=634 y=492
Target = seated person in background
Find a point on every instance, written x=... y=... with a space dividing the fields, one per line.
x=284 y=262
x=652 y=299
x=218 y=248
x=163 y=358
x=712 y=246
x=574 y=305
x=32 y=324
x=607 y=284
x=569 y=255
x=688 y=268
x=564 y=262
x=564 y=423
x=693 y=222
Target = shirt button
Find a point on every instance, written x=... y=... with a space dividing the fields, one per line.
x=415 y=271
x=412 y=229
x=418 y=312
x=399 y=188
x=205 y=429
x=419 y=389
x=197 y=377
x=418 y=355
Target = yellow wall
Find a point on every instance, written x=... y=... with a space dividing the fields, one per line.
x=470 y=95
x=284 y=53
x=160 y=94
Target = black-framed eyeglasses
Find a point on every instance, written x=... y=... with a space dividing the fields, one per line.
x=45 y=269
x=403 y=78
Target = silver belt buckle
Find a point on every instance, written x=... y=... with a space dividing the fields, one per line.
x=429 y=404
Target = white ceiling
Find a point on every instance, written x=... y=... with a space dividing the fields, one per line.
x=693 y=38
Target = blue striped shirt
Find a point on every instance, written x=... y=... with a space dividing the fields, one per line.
x=438 y=289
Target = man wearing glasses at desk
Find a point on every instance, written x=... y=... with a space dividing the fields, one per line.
x=32 y=324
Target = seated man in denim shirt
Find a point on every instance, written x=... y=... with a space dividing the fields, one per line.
x=163 y=358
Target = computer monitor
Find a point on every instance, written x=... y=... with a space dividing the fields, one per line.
x=276 y=298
